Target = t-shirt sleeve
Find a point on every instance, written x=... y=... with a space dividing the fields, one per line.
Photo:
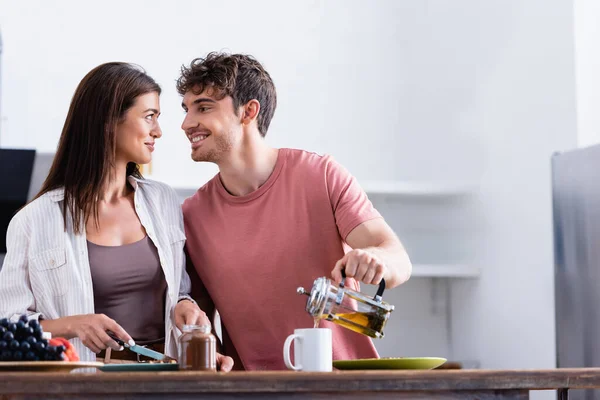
x=349 y=202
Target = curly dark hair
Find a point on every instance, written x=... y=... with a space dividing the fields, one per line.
x=237 y=75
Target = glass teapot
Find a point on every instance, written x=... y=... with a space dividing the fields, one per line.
x=345 y=307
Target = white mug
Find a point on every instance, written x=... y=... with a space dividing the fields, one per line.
x=312 y=350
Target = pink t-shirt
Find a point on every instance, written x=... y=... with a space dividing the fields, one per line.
x=253 y=251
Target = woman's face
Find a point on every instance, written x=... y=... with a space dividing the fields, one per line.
x=138 y=130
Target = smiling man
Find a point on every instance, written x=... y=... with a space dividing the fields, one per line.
x=271 y=219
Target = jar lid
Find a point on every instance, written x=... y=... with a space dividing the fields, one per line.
x=191 y=328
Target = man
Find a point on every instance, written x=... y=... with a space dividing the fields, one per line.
x=272 y=219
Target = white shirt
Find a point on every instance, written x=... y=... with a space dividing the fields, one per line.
x=46 y=271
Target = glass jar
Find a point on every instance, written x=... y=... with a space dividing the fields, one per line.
x=197 y=349
x=348 y=308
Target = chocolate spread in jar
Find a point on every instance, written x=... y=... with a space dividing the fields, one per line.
x=197 y=349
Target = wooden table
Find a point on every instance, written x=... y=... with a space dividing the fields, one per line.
x=440 y=384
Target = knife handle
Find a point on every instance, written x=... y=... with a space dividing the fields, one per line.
x=116 y=339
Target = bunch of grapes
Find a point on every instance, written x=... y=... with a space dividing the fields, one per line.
x=23 y=341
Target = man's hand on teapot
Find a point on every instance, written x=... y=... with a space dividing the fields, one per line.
x=361 y=265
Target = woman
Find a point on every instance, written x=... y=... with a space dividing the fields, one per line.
x=100 y=249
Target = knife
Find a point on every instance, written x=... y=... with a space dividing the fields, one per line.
x=141 y=350
x=144 y=351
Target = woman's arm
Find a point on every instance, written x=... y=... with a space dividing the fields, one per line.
x=188 y=311
x=91 y=329
x=16 y=296
x=185 y=285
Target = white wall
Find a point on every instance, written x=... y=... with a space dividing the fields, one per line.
x=587 y=62
x=524 y=110
x=468 y=90
x=349 y=75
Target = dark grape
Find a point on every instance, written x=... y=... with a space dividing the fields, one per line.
x=26 y=332
x=40 y=347
x=3 y=345
x=4 y=322
x=32 y=340
x=30 y=356
x=3 y=330
x=25 y=347
x=13 y=345
x=8 y=336
x=17 y=355
x=49 y=357
x=45 y=341
x=12 y=327
x=6 y=355
x=21 y=330
x=37 y=332
x=23 y=318
x=51 y=349
x=60 y=349
x=34 y=323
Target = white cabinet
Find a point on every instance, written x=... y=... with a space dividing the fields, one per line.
x=433 y=220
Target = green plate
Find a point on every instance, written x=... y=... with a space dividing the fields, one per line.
x=139 y=367
x=391 y=363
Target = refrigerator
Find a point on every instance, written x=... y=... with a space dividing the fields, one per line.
x=0 y=87
x=576 y=217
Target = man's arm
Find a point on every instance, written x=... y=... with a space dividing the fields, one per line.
x=377 y=253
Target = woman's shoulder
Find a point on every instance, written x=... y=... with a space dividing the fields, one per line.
x=46 y=204
x=164 y=199
x=159 y=193
x=41 y=211
x=156 y=188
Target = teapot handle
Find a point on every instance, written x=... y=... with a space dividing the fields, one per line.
x=378 y=295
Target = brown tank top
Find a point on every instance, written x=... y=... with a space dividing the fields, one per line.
x=129 y=287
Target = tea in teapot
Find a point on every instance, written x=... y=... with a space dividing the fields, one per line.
x=348 y=308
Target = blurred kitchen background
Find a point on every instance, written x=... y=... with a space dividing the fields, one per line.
x=447 y=112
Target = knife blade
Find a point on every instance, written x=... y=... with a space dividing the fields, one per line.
x=144 y=351
x=141 y=350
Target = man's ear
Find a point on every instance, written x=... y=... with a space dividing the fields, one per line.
x=250 y=111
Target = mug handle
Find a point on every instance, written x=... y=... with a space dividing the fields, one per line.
x=286 y=353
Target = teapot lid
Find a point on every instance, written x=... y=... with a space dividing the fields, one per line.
x=316 y=298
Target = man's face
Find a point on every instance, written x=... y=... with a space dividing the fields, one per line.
x=211 y=125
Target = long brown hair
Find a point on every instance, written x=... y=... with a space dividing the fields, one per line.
x=87 y=148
